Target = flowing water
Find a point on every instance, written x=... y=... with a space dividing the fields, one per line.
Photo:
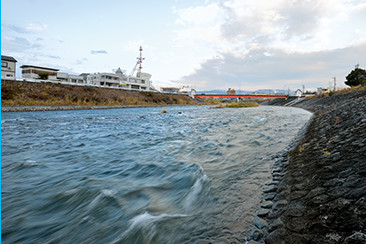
x=191 y=175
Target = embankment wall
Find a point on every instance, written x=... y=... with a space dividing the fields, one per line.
x=320 y=194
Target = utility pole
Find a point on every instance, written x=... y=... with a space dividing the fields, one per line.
x=303 y=89
x=334 y=78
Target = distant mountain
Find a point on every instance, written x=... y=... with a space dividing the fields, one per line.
x=213 y=92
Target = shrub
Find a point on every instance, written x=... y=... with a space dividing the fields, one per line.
x=43 y=76
x=356 y=77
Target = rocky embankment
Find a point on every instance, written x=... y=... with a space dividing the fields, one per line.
x=318 y=192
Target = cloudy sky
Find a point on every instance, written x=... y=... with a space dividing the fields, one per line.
x=242 y=44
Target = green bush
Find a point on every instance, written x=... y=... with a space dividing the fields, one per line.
x=43 y=76
x=356 y=77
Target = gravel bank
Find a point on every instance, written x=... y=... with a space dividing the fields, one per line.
x=81 y=107
x=318 y=193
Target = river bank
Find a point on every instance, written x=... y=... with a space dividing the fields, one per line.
x=318 y=192
x=51 y=96
x=79 y=107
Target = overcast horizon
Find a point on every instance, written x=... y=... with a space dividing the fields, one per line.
x=244 y=45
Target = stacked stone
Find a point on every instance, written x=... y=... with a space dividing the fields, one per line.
x=318 y=193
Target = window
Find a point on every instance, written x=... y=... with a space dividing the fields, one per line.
x=4 y=64
x=142 y=81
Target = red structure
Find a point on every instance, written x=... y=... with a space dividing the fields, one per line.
x=241 y=96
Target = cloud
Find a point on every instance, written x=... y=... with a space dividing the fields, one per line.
x=53 y=56
x=269 y=44
x=300 y=18
x=19 y=44
x=272 y=23
x=275 y=68
x=36 y=27
x=80 y=61
x=15 y=28
x=30 y=28
x=294 y=25
x=202 y=23
x=98 y=52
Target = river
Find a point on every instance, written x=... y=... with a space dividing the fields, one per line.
x=137 y=175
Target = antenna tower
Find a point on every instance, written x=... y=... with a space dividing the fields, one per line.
x=138 y=63
x=140 y=60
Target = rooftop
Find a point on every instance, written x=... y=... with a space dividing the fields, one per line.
x=8 y=58
x=37 y=67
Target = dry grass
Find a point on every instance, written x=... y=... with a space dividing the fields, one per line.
x=343 y=91
x=211 y=101
x=245 y=104
x=20 y=93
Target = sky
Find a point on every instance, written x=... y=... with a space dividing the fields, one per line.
x=241 y=44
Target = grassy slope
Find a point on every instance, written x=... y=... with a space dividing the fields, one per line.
x=20 y=93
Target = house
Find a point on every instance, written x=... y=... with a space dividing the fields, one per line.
x=76 y=79
x=298 y=93
x=170 y=89
x=34 y=72
x=85 y=76
x=321 y=90
x=139 y=82
x=8 y=67
x=230 y=91
x=104 y=79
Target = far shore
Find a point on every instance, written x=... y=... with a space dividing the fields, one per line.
x=78 y=107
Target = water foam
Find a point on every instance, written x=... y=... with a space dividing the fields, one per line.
x=109 y=193
x=259 y=119
x=146 y=223
x=196 y=189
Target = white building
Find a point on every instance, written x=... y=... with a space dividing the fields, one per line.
x=298 y=93
x=65 y=77
x=8 y=67
x=140 y=82
x=34 y=72
x=321 y=90
x=104 y=79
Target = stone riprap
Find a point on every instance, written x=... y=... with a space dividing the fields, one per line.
x=318 y=192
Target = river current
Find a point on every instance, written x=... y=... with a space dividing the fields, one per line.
x=191 y=175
